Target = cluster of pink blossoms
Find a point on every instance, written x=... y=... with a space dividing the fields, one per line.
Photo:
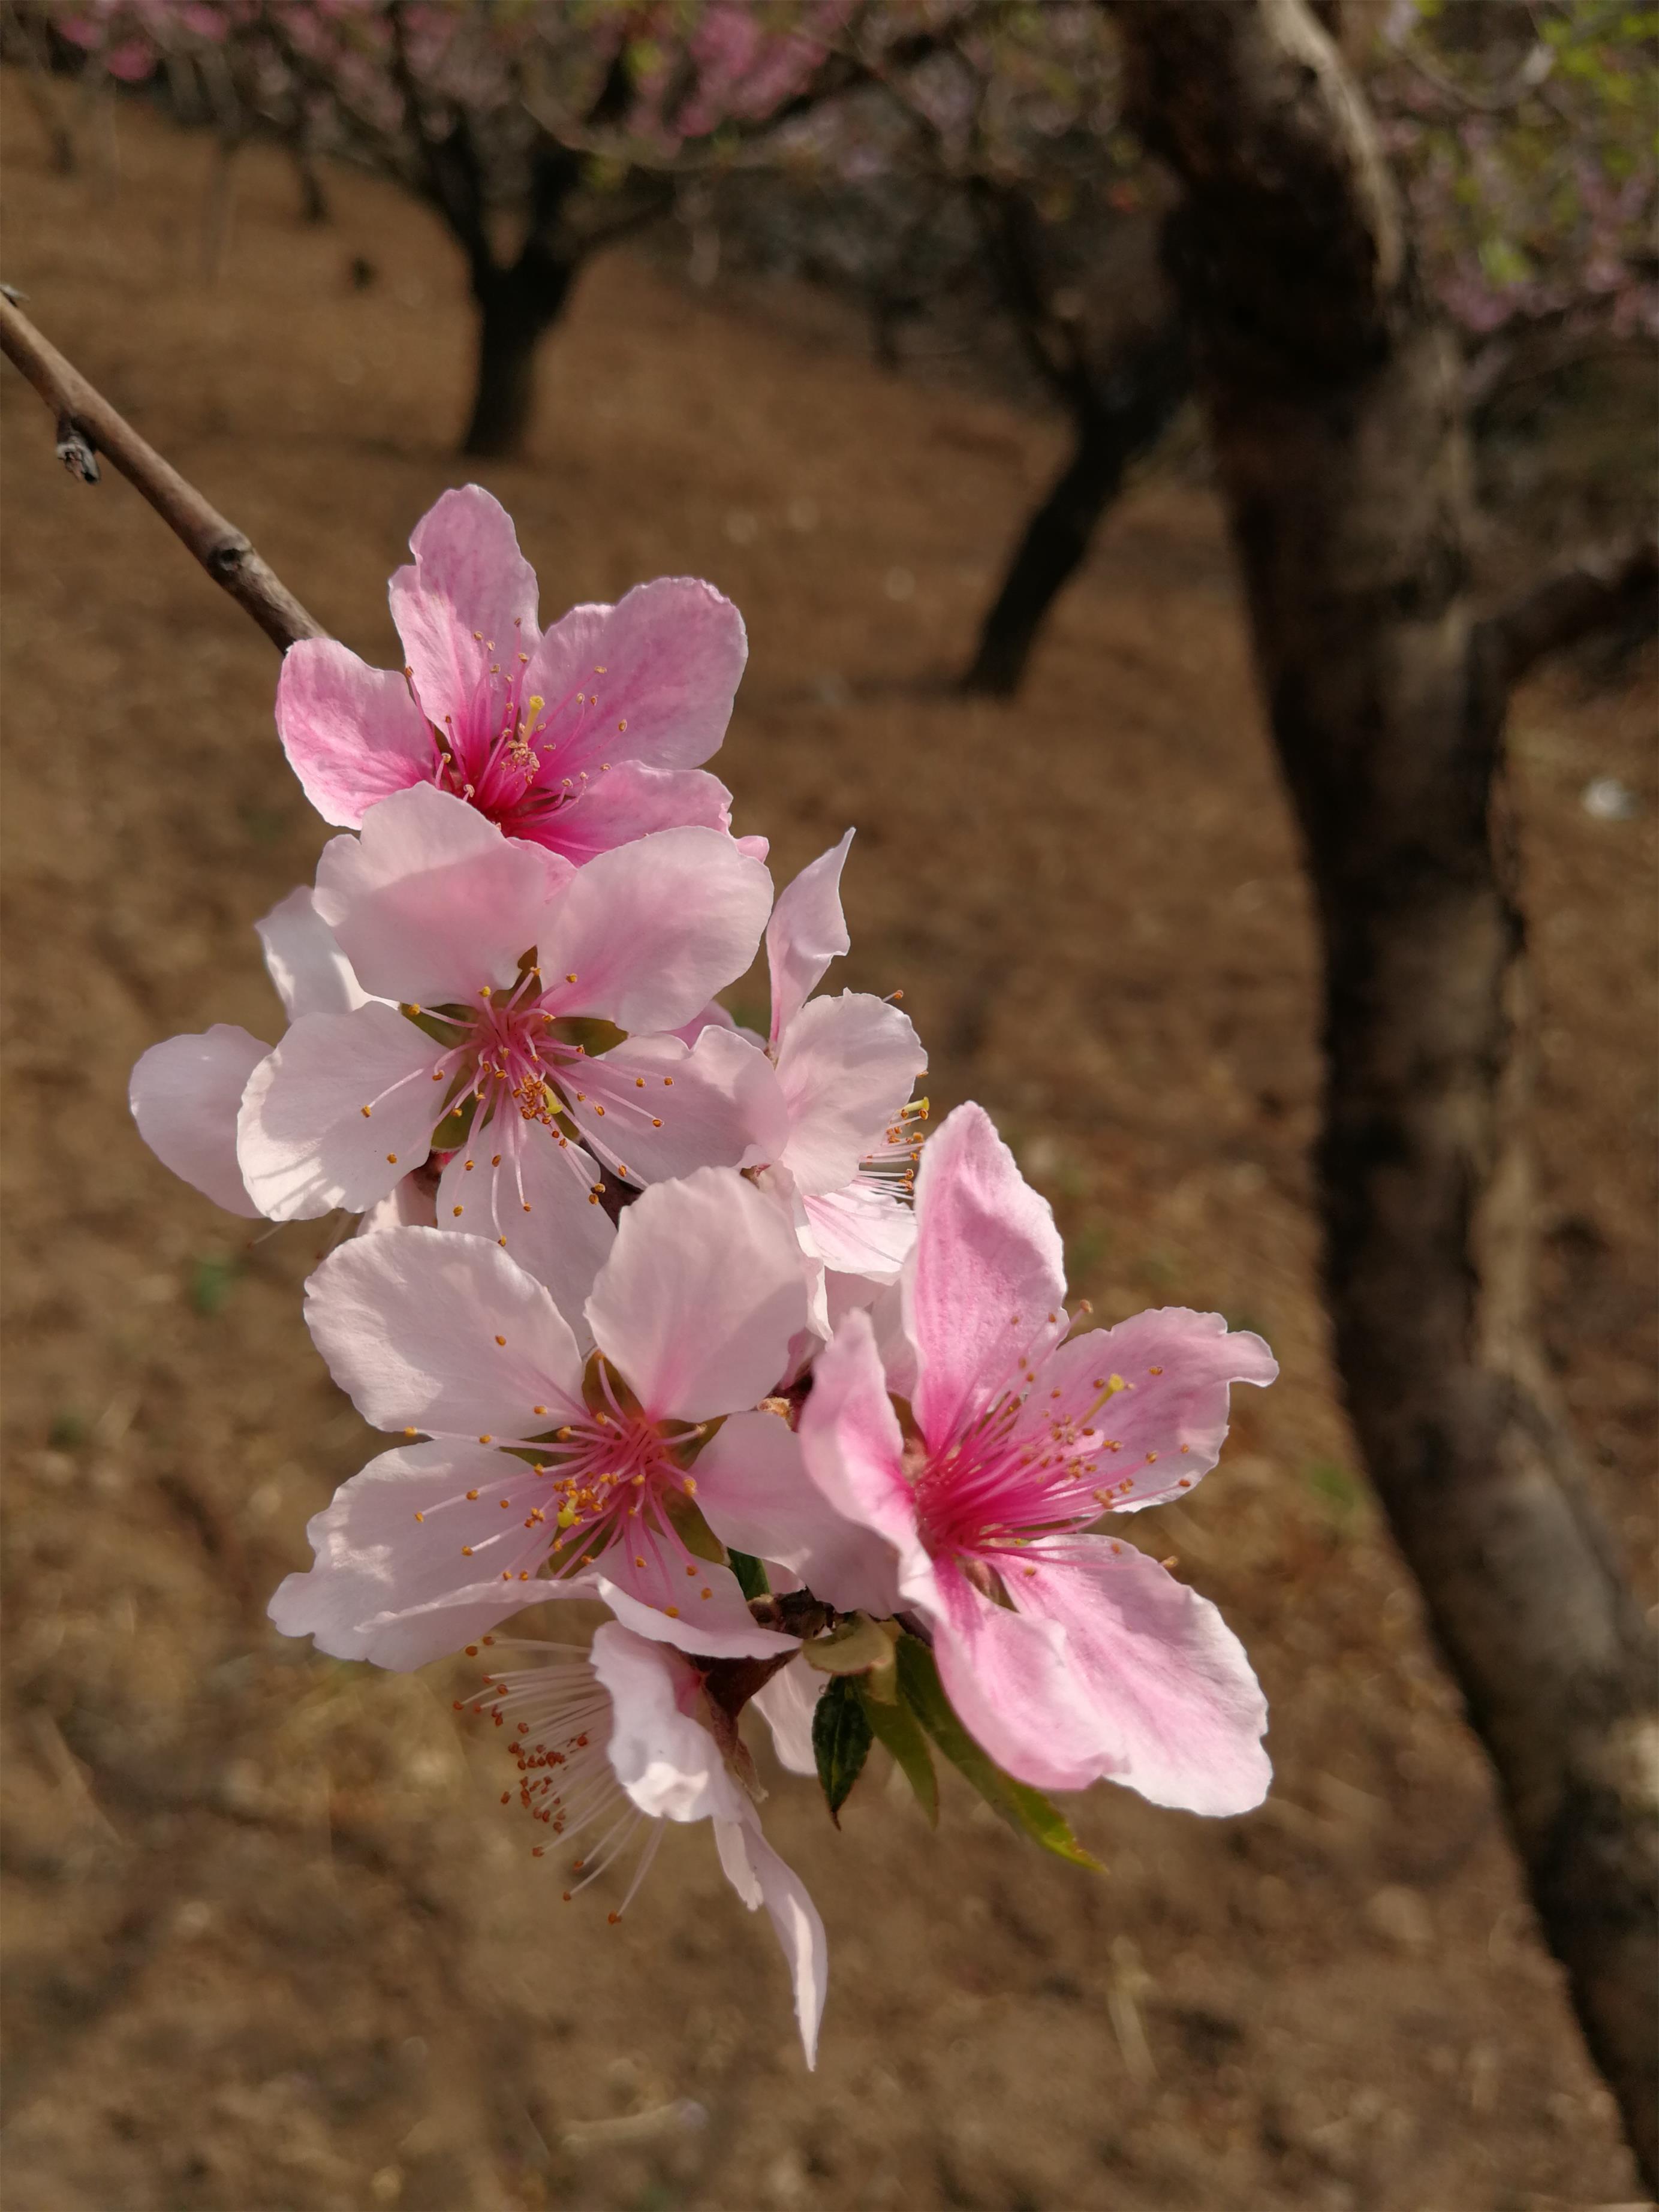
x=664 y=1313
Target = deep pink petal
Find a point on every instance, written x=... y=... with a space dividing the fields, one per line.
x=1176 y=1712
x=304 y=960
x=657 y=673
x=755 y=1495
x=761 y=1877
x=987 y=1281
x=398 y=1590
x=652 y=931
x=424 y=1329
x=807 y=931
x=699 y=1299
x=185 y=1096
x=517 y=1185
x=352 y=733
x=1009 y=1676
x=430 y=903
x=627 y=802
x=303 y=1141
x=469 y=600
x=853 y=1449
x=1167 y=1423
x=845 y=1066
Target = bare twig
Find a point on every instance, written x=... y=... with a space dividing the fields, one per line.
x=87 y=425
x=1601 y=590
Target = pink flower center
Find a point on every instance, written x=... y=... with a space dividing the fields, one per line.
x=502 y=752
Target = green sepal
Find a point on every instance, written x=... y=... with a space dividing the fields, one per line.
x=840 y=1740
x=693 y=1531
x=894 y=1729
x=749 y=1573
x=1027 y=1811
x=852 y=1646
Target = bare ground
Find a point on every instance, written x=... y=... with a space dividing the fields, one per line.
x=272 y=1941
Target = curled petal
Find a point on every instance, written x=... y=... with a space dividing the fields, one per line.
x=807 y=931
x=185 y=1096
x=469 y=600
x=761 y=1877
x=304 y=960
x=845 y=1067
x=666 y=1760
x=786 y=1703
x=852 y=1448
x=756 y=1496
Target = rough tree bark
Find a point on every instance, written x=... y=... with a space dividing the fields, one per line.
x=1116 y=418
x=1337 y=417
x=517 y=304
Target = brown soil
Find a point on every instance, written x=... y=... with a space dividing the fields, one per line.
x=272 y=1941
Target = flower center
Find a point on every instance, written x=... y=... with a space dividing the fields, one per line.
x=502 y=753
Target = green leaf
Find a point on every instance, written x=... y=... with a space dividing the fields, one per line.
x=841 y=1741
x=751 y=1574
x=1027 y=1811
x=895 y=1730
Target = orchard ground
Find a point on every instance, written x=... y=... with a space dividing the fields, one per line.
x=272 y=1941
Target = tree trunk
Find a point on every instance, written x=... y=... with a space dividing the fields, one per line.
x=516 y=305
x=1116 y=419
x=1338 y=421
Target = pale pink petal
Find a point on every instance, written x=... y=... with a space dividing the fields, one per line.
x=862 y=1230
x=1175 y=1710
x=304 y=1143
x=413 y=1205
x=647 y=1561
x=515 y=1183
x=985 y=1290
x=658 y=673
x=627 y=802
x=807 y=931
x=757 y=1497
x=786 y=1703
x=303 y=960
x=668 y=1762
x=431 y=903
x=399 y=1590
x=185 y=1095
x=713 y=1017
x=694 y=1635
x=652 y=931
x=1011 y=1678
x=853 y=1449
x=424 y=1329
x=698 y=1301
x=1168 y=1420
x=845 y=1067
x=654 y=1110
x=352 y=733
x=756 y=848
x=761 y=1877
x=469 y=600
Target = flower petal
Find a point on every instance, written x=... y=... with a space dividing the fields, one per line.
x=516 y=1184
x=431 y=902
x=398 y=1590
x=761 y=1877
x=662 y=665
x=786 y=1703
x=352 y=733
x=425 y=1330
x=1170 y=1422
x=755 y=1495
x=1010 y=1677
x=669 y=1763
x=1176 y=1712
x=645 y=1560
x=185 y=1095
x=700 y=1637
x=627 y=802
x=846 y=1067
x=659 y=1111
x=852 y=1448
x=807 y=931
x=985 y=1290
x=699 y=1299
x=303 y=960
x=470 y=599
x=862 y=1230
x=652 y=931
x=303 y=1139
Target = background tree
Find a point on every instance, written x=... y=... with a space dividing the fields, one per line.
x=1336 y=404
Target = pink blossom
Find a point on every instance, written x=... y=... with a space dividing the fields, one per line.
x=624 y=1738
x=441 y=1334
x=1069 y=1654
x=485 y=957
x=580 y=738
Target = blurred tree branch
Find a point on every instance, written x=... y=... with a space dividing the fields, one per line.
x=1612 y=588
x=1338 y=414
x=87 y=426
